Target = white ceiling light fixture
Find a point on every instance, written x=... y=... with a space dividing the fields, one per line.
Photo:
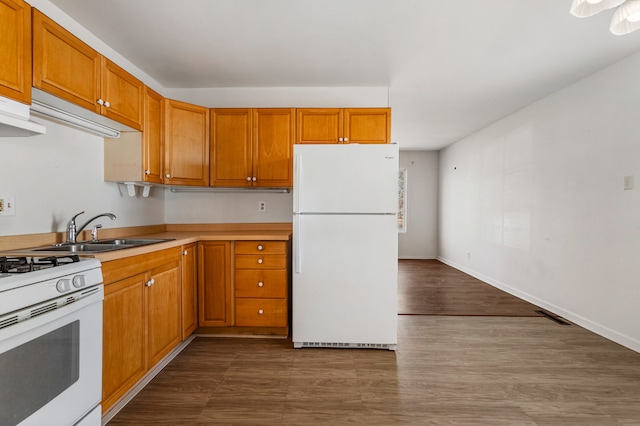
x=626 y=19
x=586 y=8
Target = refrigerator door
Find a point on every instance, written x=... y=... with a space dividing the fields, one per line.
x=345 y=281
x=345 y=178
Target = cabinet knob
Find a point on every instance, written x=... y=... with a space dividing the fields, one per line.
x=148 y=283
x=260 y=260
x=340 y=139
x=100 y=102
x=107 y=104
x=168 y=175
x=260 y=312
x=260 y=284
x=260 y=248
x=147 y=172
x=248 y=178
x=184 y=253
x=254 y=179
x=346 y=139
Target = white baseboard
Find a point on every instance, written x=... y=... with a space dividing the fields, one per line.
x=599 y=329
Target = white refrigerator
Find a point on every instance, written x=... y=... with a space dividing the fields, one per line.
x=345 y=246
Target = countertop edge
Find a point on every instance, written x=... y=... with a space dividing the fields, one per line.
x=178 y=238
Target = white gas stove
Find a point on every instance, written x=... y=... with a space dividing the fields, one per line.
x=50 y=340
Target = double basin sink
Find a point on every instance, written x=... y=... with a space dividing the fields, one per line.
x=100 y=246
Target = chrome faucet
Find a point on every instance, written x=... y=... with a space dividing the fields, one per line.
x=73 y=230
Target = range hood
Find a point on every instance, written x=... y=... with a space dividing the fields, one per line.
x=51 y=107
x=14 y=120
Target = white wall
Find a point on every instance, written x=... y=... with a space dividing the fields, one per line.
x=284 y=97
x=210 y=207
x=420 y=240
x=61 y=173
x=537 y=201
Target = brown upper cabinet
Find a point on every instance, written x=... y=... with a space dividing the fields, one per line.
x=152 y=137
x=252 y=147
x=15 y=50
x=66 y=67
x=186 y=144
x=343 y=125
x=135 y=156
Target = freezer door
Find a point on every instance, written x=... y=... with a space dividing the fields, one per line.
x=345 y=178
x=345 y=279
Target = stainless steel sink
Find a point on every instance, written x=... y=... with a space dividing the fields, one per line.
x=82 y=247
x=131 y=241
x=100 y=246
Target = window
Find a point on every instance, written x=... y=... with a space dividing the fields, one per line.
x=402 y=200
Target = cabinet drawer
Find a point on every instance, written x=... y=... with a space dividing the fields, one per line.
x=261 y=312
x=259 y=261
x=257 y=247
x=261 y=283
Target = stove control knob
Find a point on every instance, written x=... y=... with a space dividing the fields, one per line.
x=79 y=281
x=63 y=285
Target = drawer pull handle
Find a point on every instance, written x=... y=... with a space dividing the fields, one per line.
x=260 y=260
x=260 y=284
x=260 y=312
x=260 y=248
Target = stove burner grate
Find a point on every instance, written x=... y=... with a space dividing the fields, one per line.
x=23 y=264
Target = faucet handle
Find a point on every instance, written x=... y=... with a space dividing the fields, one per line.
x=94 y=232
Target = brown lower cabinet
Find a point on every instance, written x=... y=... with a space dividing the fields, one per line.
x=243 y=287
x=214 y=283
x=141 y=318
x=154 y=301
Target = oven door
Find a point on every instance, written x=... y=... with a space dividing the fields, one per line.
x=51 y=365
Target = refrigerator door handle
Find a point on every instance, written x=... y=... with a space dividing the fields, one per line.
x=297 y=175
x=297 y=258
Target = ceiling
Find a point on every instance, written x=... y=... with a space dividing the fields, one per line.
x=452 y=66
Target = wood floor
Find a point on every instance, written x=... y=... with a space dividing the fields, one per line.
x=447 y=370
x=428 y=287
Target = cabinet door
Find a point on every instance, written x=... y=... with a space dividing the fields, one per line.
x=63 y=65
x=122 y=94
x=15 y=50
x=186 y=144
x=189 y=290
x=214 y=284
x=367 y=125
x=318 y=125
x=164 y=311
x=231 y=155
x=153 y=144
x=123 y=359
x=273 y=135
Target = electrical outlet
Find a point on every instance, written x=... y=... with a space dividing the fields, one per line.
x=7 y=206
x=262 y=206
x=628 y=182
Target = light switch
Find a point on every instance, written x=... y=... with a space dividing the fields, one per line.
x=628 y=182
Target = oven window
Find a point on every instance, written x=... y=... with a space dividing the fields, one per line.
x=37 y=371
